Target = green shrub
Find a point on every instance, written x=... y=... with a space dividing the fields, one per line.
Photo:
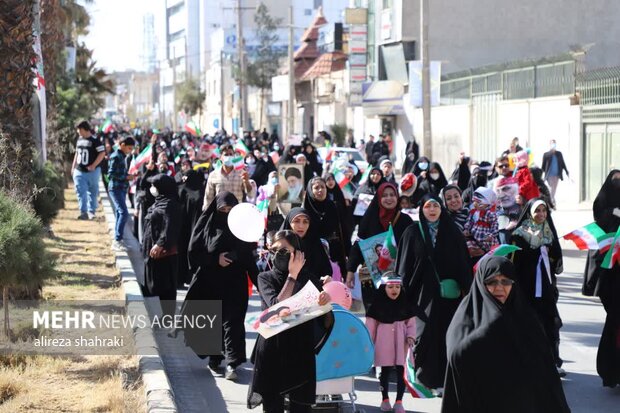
x=49 y=196
x=339 y=132
x=24 y=260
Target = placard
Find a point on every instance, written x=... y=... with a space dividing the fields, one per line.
x=371 y=250
x=363 y=202
x=301 y=307
x=291 y=186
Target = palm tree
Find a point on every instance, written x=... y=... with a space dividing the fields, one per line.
x=16 y=87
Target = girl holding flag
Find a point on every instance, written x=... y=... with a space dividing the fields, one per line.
x=383 y=211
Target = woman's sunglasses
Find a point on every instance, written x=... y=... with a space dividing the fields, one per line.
x=504 y=282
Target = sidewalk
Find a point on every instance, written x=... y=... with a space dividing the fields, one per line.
x=196 y=389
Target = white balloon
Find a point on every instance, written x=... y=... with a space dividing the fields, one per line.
x=246 y=222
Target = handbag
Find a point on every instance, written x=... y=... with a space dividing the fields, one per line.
x=448 y=288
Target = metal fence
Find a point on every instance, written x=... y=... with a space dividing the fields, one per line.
x=599 y=87
x=519 y=80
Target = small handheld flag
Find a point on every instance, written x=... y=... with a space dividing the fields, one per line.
x=388 y=251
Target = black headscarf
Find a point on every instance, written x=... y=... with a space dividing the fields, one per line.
x=607 y=199
x=167 y=188
x=434 y=186
x=211 y=230
x=495 y=349
x=387 y=311
x=323 y=214
x=461 y=175
x=369 y=187
x=478 y=178
x=317 y=261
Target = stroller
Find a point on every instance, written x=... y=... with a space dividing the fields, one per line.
x=348 y=352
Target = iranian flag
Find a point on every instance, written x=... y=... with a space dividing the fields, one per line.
x=613 y=255
x=275 y=156
x=500 y=250
x=238 y=163
x=365 y=176
x=140 y=160
x=330 y=155
x=107 y=126
x=241 y=148
x=388 y=251
x=262 y=200
x=586 y=238
x=417 y=390
x=341 y=179
x=192 y=128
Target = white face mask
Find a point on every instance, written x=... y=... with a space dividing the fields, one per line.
x=434 y=177
x=227 y=160
x=423 y=165
x=154 y=191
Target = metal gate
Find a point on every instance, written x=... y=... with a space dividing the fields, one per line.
x=601 y=154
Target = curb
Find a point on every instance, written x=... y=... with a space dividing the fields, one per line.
x=159 y=394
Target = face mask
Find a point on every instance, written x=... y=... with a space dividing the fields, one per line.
x=553 y=145
x=434 y=177
x=154 y=191
x=280 y=261
x=276 y=147
x=250 y=161
x=274 y=181
x=423 y=165
x=227 y=160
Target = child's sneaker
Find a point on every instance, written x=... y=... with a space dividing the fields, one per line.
x=398 y=407
x=386 y=406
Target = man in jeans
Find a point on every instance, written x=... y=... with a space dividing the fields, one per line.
x=554 y=167
x=117 y=187
x=89 y=153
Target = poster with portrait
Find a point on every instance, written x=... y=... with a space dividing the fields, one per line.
x=363 y=202
x=291 y=312
x=371 y=250
x=291 y=186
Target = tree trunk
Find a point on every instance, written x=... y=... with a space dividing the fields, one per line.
x=5 y=303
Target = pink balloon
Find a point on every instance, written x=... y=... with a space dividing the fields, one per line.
x=339 y=293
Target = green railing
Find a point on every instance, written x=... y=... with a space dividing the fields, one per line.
x=599 y=87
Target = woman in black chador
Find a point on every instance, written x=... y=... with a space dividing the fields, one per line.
x=537 y=264
x=298 y=220
x=606 y=283
x=431 y=250
x=191 y=195
x=498 y=356
x=285 y=363
x=221 y=264
x=324 y=216
x=382 y=212
x=160 y=243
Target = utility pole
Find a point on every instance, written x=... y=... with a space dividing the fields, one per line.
x=174 y=89
x=291 y=75
x=242 y=69
x=426 y=79
x=222 y=89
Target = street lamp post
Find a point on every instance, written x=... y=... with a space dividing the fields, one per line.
x=291 y=74
x=426 y=81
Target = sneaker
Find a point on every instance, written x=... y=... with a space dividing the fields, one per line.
x=398 y=407
x=231 y=373
x=83 y=216
x=119 y=246
x=561 y=372
x=92 y=216
x=386 y=406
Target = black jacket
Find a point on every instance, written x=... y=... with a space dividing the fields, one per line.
x=546 y=163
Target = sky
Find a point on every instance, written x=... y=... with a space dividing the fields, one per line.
x=115 y=33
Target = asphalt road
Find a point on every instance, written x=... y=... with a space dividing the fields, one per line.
x=198 y=390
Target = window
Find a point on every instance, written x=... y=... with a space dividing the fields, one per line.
x=307 y=12
x=317 y=4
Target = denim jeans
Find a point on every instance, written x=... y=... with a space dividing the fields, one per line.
x=87 y=189
x=119 y=200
